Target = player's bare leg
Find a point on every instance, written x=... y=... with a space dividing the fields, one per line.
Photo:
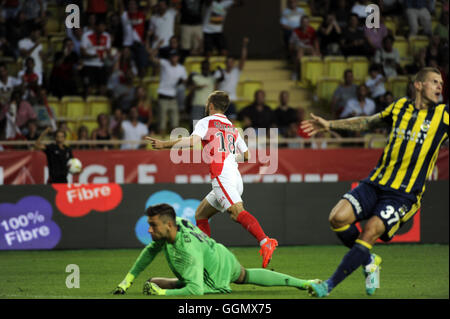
x=342 y=220
x=203 y=213
x=358 y=255
x=251 y=224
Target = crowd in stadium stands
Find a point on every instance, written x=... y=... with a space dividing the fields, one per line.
x=122 y=42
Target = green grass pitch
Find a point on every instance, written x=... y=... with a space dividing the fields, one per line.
x=408 y=271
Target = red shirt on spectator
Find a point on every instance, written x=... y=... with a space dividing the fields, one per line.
x=138 y=22
x=307 y=37
x=96 y=6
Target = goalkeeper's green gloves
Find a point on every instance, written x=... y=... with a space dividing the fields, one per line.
x=124 y=285
x=150 y=288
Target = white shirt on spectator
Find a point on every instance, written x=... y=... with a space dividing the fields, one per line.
x=353 y=108
x=230 y=82
x=169 y=77
x=291 y=18
x=7 y=88
x=27 y=44
x=98 y=46
x=163 y=26
x=201 y=95
x=359 y=10
x=215 y=16
x=377 y=89
x=133 y=133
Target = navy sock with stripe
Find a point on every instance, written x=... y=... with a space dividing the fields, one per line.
x=347 y=234
x=358 y=254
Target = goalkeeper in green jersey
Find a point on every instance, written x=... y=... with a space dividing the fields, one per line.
x=199 y=263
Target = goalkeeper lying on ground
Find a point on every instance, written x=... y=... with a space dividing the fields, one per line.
x=200 y=264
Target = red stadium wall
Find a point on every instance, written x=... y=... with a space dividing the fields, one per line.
x=144 y=167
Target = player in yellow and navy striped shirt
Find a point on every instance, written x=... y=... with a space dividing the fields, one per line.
x=391 y=194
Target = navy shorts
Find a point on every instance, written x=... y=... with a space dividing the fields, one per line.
x=392 y=208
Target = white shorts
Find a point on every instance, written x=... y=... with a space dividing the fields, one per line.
x=226 y=191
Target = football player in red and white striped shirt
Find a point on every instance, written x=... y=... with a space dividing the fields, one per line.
x=221 y=142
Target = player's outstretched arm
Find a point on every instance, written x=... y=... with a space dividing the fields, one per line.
x=362 y=123
x=38 y=144
x=178 y=143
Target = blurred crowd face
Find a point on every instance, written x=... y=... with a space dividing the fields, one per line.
x=284 y=97
x=3 y=72
x=229 y=63
x=387 y=44
x=292 y=4
x=133 y=115
x=162 y=7
x=205 y=68
x=103 y=120
x=348 y=77
x=304 y=22
x=362 y=92
x=353 y=22
x=260 y=97
x=132 y=6
x=174 y=58
x=173 y=42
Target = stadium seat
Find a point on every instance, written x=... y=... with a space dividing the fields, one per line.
x=152 y=89
x=391 y=24
x=315 y=22
x=56 y=43
x=326 y=87
x=397 y=85
x=417 y=43
x=53 y=25
x=216 y=61
x=73 y=126
x=97 y=105
x=360 y=67
x=305 y=6
x=311 y=69
x=75 y=106
x=91 y=125
x=240 y=104
x=335 y=66
x=55 y=104
x=248 y=89
x=402 y=46
x=193 y=66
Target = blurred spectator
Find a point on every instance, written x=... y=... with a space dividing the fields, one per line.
x=215 y=14
x=353 y=41
x=359 y=106
x=115 y=123
x=418 y=63
x=343 y=93
x=342 y=12
x=303 y=41
x=65 y=71
x=124 y=92
x=319 y=7
x=228 y=79
x=31 y=131
x=172 y=74
x=34 y=11
x=388 y=57
x=191 y=29
x=330 y=35
x=133 y=130
x=375 y=83
x=69 y=134
x=144 y=106
x=359 y=8
x=375 y=36
x=285 y=116
x=441 y=28
x=436 y=50
x=133 y=23
x=258 y=114
x=97 y=7
x=102 y=132
x=410 y=91
x=290 y=19
x=162 y=24
x=7 y=84
x=386 y=100
x=76 y=35
x=418 y=11
x=174 y=45
x=10 y=8
x=115 y=29
x=95 y=46
x=390 y=7
x=91 y=21
x=82 y=135
x=201 y=86
x=17 y=113
x=29 y=78
x=17 y=28
x=32 y=47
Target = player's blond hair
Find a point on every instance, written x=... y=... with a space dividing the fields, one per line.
x=422 y=74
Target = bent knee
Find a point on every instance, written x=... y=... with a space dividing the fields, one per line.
x=341 y=215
